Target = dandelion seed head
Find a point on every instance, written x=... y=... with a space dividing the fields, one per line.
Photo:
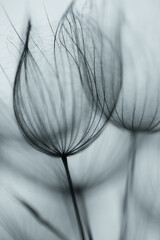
x=138 y=105
x=50 y=103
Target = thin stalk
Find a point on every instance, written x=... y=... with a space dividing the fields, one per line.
x=128 y=191
x=89 y=232
x=74 y=201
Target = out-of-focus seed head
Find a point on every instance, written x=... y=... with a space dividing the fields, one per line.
x=138 y=105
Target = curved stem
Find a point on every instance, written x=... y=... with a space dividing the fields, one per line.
x=128 y=189
x=41 y=220
x=74 y=201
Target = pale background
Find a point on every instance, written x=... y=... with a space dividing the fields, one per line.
x=30 y=174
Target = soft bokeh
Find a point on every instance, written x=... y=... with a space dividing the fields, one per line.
x=99 y=173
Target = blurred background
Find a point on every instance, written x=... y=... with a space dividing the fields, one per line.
x=99 y=173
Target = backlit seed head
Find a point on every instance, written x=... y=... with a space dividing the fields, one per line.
x=50 y=103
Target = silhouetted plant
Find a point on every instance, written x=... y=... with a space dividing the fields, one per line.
x=100 y=54
x=50 y=104
x=64 y=96
x=137 y=108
